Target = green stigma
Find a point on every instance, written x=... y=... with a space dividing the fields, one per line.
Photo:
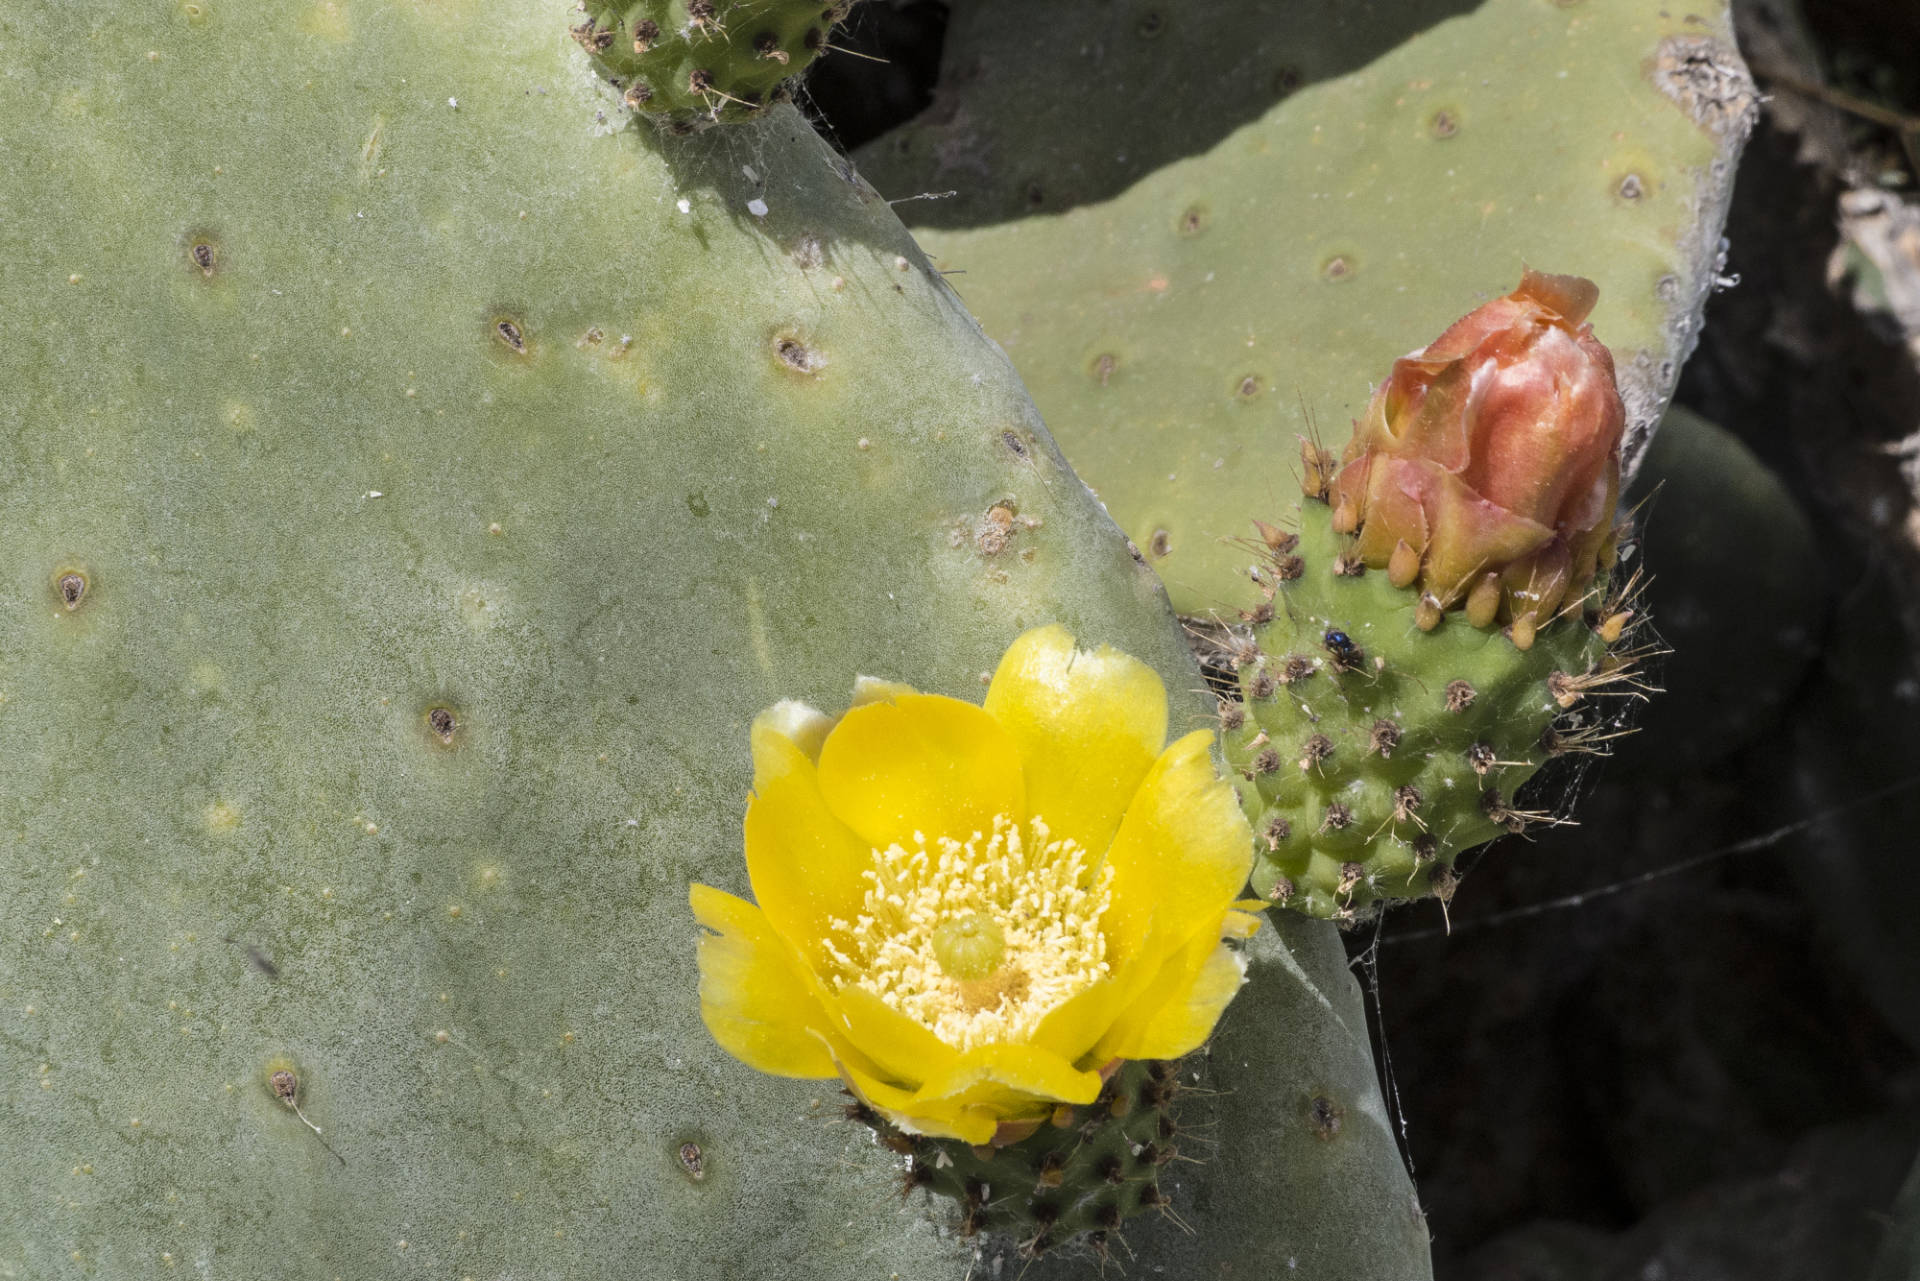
x=969 y=947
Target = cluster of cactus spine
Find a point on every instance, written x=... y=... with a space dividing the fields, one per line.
x=686 y=63
x=1076 y=1179
x=1374 y=751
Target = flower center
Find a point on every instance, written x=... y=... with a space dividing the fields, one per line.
x=977 y=940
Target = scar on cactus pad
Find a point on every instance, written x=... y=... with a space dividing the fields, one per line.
x=690 y=63
x=1441 y=617
x=995 y=924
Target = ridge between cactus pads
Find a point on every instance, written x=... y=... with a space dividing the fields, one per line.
x=1442 y=616
x=984 y=919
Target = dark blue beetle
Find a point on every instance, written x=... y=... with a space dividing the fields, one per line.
x=1346 y=654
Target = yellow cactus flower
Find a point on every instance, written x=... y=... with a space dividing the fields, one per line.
x=972 y=915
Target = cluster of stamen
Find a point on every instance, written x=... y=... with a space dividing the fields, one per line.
x=977 y=940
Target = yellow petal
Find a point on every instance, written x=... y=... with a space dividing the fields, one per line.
x=1243 y=924
x=985 y=1119
x=1178 y=1013
x=872 y=689
x=1076 y=1025
x=806 y=727
x=866 y=1080
x=920 y=763
x=1073 y=1028
x=1181 y=855
x=1009 y=1079
x=804 y=864
x=902 y=1049
x=1088 y=722
x=969 y=1125
x=754 y=997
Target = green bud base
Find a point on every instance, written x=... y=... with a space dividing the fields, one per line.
x=1372 y=753
x=1074 y=1180
x=693 y=62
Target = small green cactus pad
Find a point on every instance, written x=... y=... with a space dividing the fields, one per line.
x=1074 y=1180
x=688 y=62
x=1372 y=753
x=1309 y=189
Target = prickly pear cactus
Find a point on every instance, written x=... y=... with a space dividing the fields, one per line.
x=1437 y=619
x=1373 y=753
x=413 y=487
x=690 y=62
x=1305 y=185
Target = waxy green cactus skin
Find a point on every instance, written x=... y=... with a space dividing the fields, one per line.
x=692 y=62
x=1308 y=189
x=1373 y=753
x=414 y=481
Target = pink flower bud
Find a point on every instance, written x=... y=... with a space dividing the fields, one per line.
x=1486 y=469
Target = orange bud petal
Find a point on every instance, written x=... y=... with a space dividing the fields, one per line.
x=1498 y=441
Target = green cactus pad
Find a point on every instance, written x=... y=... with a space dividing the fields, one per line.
x=1308 y=189
x=1372 y=753
x=688 y=62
